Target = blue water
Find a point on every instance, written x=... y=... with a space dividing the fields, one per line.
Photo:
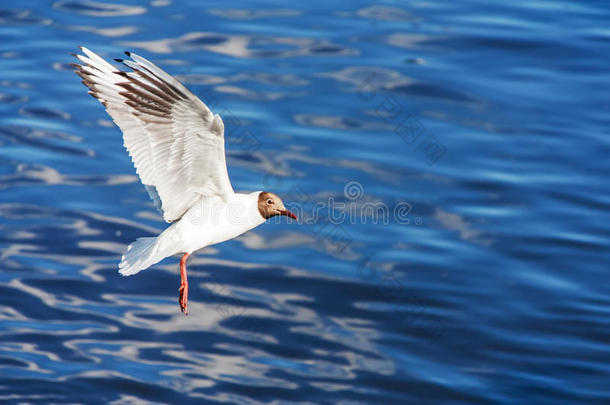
x=449 y=161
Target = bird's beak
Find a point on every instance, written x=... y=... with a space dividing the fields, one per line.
x=287 y=213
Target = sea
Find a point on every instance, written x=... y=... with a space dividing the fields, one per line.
x=448 y=161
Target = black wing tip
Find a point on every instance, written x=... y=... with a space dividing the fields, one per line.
x=119 y=60
x=128 y=53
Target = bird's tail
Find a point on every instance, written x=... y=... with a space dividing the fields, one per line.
x=141 y=254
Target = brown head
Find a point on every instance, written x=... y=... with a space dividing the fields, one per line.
x=270 y=205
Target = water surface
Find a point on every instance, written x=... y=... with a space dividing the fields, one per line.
x=459 y=151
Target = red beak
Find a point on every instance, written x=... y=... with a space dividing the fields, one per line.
x=287 y=213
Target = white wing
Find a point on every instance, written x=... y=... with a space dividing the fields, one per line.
x=174 y=140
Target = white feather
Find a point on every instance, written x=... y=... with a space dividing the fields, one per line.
x=179 y=151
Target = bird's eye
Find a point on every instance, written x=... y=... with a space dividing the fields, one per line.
x=269 y=201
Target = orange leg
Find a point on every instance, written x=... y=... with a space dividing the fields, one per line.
x=183 y=291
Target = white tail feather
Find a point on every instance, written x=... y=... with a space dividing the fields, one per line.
x=141 y=254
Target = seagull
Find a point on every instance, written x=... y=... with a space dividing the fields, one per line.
x=177 y=147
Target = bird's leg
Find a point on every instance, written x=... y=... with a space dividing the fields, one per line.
x=183 y=291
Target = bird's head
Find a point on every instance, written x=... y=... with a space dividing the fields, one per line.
x=270 y=205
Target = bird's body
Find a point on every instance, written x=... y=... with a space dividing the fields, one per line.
x=177 y=146
x=210 y=221
x=213 y=220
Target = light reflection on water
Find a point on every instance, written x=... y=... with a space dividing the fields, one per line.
x=493 y=291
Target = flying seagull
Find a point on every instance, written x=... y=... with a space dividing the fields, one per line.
x=177 y=146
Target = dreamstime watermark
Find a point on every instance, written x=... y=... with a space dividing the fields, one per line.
x=327 y=219
x=351 y=210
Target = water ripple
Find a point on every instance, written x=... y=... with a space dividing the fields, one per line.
x=98 y=9
x=242 y=46
x=492 y=292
